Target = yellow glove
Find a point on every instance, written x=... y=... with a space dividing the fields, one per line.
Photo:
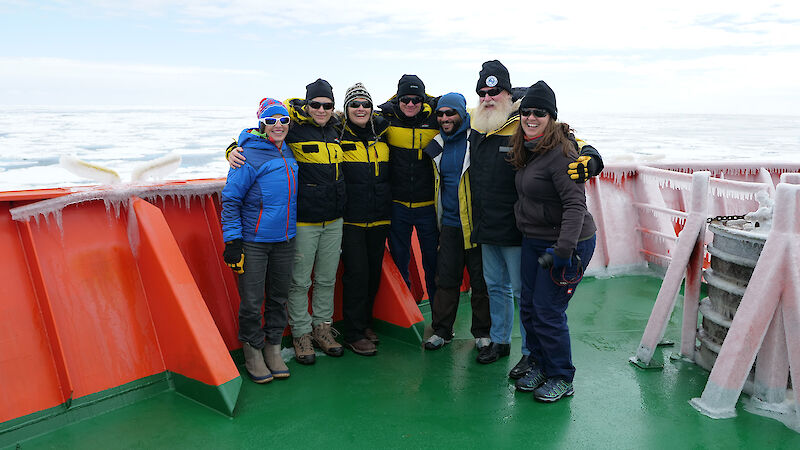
x=580 y=169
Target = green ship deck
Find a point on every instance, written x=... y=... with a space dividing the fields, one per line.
x=409 y=398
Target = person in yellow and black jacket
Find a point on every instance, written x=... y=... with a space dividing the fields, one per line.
x=365 y=165
x=314 y=139
x=451 y=155
x=412 y=125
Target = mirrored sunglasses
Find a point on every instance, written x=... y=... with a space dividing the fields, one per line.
x=538 y=112
x=273 y=120
x=316 y=105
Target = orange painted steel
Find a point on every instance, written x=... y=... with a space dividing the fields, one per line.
x=84 y=313
x=197 y=230
x=104 y=297
x=28 y=350
x=186 y=332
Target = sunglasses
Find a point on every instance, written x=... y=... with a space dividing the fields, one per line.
x=447 y=112
x=356 y=103
x=413 y=99
x=538 y=112
x=491 y=92
x=316 y=105
x=273 y=120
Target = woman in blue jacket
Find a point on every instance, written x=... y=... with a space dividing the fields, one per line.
x=259 y=220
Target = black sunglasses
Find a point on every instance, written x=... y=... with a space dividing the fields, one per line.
x=491 y=92
x=538 y=112
x=413 y=99
x=356 y=103
x=316 y=105
x=447 y=112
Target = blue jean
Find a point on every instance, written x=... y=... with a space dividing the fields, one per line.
x=501 y=270
x=424 y=220
x=544 y=306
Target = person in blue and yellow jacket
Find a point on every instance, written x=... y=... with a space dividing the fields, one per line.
x=321 y=196
x=450 y=152
x=259 y=208
x=412 y=125
x=366 y=217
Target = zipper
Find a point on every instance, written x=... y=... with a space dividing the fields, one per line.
x=289 y=176
x=258 y=223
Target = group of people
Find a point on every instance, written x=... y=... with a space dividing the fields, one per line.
x=497 y=191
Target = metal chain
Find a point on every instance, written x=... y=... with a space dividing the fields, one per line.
x=723 y=218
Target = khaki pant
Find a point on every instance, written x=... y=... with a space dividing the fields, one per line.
x=317 y=247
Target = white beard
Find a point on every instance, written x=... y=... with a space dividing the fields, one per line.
x=486 y=120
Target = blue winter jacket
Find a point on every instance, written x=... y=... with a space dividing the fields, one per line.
x=259 y=201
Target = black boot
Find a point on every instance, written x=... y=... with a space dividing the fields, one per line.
x=493 y=352
x=521 y=369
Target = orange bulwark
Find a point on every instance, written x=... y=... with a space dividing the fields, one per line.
x=112 y=295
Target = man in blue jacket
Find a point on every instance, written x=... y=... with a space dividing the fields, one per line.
x=450 y=153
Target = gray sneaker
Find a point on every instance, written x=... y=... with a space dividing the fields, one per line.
x=482 y=342
x=436 y=342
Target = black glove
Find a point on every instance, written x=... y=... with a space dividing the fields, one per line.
x=582 y=169
x=234 y=255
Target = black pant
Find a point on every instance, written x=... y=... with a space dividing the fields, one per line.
x=451 y=260
x=362 y=259
x=264 y=261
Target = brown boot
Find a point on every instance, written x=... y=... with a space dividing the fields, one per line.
x=254 y=363
x=272 y=356
x=323 y=336
x=303 y=350
x=370 y=334
x=363 y=347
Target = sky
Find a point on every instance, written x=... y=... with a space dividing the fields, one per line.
x=613 y=57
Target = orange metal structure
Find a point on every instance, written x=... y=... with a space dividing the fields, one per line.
x=101 y=289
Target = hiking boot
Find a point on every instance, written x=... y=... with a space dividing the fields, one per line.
x=552 y=390
x=324 y=338
x=303 y=350
x=254 y=364
x=521 y=369
x=436 y=342
x=482 y=342
x=272 y=356
x=370 y=334
x=532 y=380
x=493 y=352
x=363 y=347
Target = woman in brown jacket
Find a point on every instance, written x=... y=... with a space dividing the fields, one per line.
x=558 y=240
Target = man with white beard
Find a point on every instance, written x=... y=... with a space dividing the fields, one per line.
x=493 y=196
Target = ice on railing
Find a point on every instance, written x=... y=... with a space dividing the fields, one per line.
x=114 y=197
x=619 y=171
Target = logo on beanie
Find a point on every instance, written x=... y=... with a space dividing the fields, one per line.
x=491 y=81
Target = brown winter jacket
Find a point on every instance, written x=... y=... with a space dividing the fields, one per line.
x=551 y=206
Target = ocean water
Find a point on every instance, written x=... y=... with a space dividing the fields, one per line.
x=32 y=139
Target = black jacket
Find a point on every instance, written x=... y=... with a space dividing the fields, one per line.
x=411 y=169
x=365 y=164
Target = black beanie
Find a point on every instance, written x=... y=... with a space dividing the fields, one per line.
x=410 y=85
x=319 y=88
x=494 y=74
x=540 y=96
